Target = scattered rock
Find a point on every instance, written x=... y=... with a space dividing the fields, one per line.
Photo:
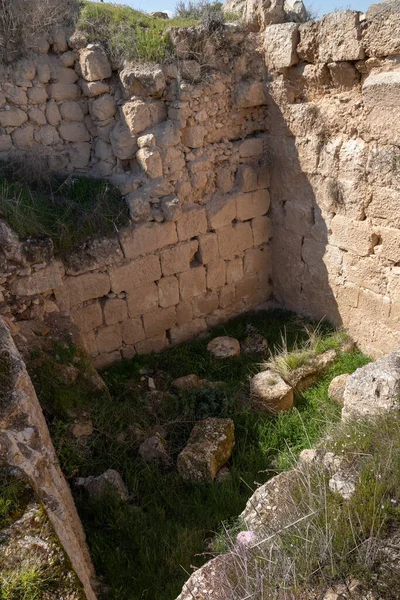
x=224 y=347
x=268 y=391
x=209 y=447
x=151 y=384
x=373 y=389
x=337 y=387
x=343 y=483
x=154 y=450
x=67 y=374
x=81 y=430
x=97 y=486
x=254 y=343
x=306 y=375
x=187 y=382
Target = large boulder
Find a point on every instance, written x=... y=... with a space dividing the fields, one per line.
x=94 y=63
x=382 y=35
x=209 y=447
x=258 y=14
x=373 y=389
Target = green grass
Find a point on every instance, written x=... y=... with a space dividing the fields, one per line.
x=145 y=548
x=68 y=212
x=14 y=496
x=127 y=33
x=26 y=584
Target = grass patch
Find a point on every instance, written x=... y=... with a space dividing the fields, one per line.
x=145 y=548
x=68 y=212
x=26 y=584
x=129 y=34
x=14 y=496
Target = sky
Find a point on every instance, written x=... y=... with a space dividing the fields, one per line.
x=320 y=7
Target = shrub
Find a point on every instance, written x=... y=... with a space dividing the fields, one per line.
x=21 y=21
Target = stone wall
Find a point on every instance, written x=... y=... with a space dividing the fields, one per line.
x=278 y=135
x=25 y=444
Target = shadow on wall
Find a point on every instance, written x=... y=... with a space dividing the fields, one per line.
x=300 y=230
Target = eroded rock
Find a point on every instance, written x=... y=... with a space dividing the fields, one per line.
x=97 y=486
x=270 y=392
x=224 y=347
x=337 y=387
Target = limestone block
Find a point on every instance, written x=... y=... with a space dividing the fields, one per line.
x=389 y=243
x=88 y=317
x=233 y=239
x=355 y=236
x=307 y=48
x=373 y=389
x=280 y=42
x=23 y=137
x=132 y=331
x=247 y=287
x=74 y=132
x=109 y=338
x=79 y=154
x=24 y=70
x=382 y=35
x=251 y=147
x=63 y=75
x=5 y=142
x=158 y=111
x=344 y=75
x=208 y=247
x=234 y=270
x=15 y=95
x=192 y=222
x=137 y=115
x=37 y=95
x=252 y=204
x=43 y=73
x=221 y=210
x=37 y=116
x=185 y=331
x=159 y=321
x=147 y=237
x=171 y=208
x=166 y=134
x=256 y=261
x=87 y=287
x=135 y=274
x=48 y=136
x=63 y=91
x=193 y=136
x=204 y=305
x=157 y=343
x=150 y=161
x=142 y=299
x=94 y=63
x=91 y=89
x=142 y=80
x=248 y=94
x=184 y=313
x=192 y=283
x=41 y=281
x=14 y=117
x=53 y=115
x=103 y=108
x=384 y=208
x=246 y=178
x=178 y=259
x=168 y=291
x=216 y=275
x=209 y=447
x=102 y=150
x=115 y=311
x=123 y=141
x=244 y=236
x=71 y=111
x=270 y=392
x=382 y=89
x=67 y=59
x=339 y=37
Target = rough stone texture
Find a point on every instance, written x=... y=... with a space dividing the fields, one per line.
x=339 y=37
x=337 y=387
x=25 y=444
x=224 y=347
x=270 y=392
x=209 y=447
x=280 y=43
x=94 y=63
x=373 y=389
x=96 y=486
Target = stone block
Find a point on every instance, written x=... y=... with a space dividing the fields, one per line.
x=270 y=392
x=257 y=261
x=178 y=259
x=251 y=147
x=108 y=338
x=234 y=239
x=71 y=111
x=150 y=161
x=244 y=236
x=37 y=116
x=192 y=283
x=135 y=274
x=389 y=246
x=252 y=204
x=221 y=211
x=344 y=75
x=94 y=63
x=74 y=132
x=382 y=90
x=157 y=343
x=193 y=137
x=382 y=34
x=37 y=95
x=246 y=178
x=123 y=141
x=384 y=207
x=307 y=48
x=204 y=305
x=63 y=91
x=168 y=291
x=105 y=360
x=88 y=317
x=186 y=331
x=208 y=248
x=234 y=270
x=339 y=37
x=132 y=331
x=280 y=42
x=14 y=117
x=184 y=312
x=227 y=295
x=147 y=237
x=87 y=287
x=41 y=281
x=103 y=107
x=216 y=275
x=53 y=115
x=115 y=311
x=137 y=116
x=371 y=304
x=142 y=299
x=91 y=89
x=347 y=295
x=23 y=137
x=159 y=321
x=192 y=222
x=355 y=236
x=249 y=93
